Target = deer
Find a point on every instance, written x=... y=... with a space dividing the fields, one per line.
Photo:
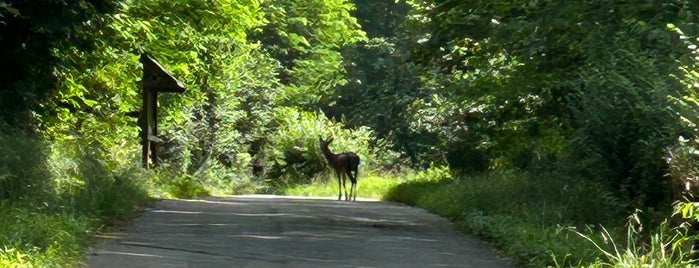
x=343 y=164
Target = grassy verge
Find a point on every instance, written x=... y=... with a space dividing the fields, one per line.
x=56 y=235
x=371 y=186
x=41 y=238
x=547 y=221
x=55 y=197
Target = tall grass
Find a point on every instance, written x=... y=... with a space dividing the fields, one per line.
x=551 y=220
x=523 y=215
x=666 y=247
x=55 y=196
x=33 y=237
x=369 y=186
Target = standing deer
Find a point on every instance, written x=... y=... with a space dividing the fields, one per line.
x=344 y=164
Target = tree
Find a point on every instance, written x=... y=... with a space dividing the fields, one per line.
x=31 y=34
x=306 y=38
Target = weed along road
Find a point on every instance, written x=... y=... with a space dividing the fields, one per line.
x=274 y=231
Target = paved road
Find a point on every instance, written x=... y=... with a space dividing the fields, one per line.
x=274 y=231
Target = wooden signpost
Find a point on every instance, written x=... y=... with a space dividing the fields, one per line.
x=155 y=79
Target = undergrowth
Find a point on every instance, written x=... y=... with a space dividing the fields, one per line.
x=33 y=237
x=55 y=197
x=665 y=247
x=547 y=220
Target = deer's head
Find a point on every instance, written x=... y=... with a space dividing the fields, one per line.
x=324 y=143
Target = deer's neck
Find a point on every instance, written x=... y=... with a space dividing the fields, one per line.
x=329 y=155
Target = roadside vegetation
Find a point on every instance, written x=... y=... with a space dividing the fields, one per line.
x=545 y=220
x=563 y=132
x=372 y=186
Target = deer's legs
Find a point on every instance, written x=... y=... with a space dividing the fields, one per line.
x=354 y=185
x=339 y=186
x=353 y=189
x=344 y=185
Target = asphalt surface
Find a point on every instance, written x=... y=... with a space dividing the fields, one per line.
x=275 y=231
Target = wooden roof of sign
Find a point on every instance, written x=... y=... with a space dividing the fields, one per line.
x=156 y=77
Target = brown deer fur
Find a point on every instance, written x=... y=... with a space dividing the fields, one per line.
x=343 y=164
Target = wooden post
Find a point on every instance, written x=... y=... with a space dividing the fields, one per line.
x=155 y=79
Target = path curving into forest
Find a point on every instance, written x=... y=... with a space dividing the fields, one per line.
x=276 y=231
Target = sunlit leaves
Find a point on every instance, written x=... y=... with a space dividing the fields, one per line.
x=306 y=37
x=293 y=151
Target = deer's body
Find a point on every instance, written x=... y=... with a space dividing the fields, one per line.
x=344 y=165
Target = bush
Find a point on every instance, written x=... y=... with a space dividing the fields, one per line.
x=89 y=184
x=56 y=199
x=293 y=153
x=186 y=187
x=23 y=171
x=41 y=237
x=629 y=87
x=520 y=213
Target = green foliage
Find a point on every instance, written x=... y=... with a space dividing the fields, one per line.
x=432 y=174
x=667 y=247
x=11 y=257
x=534 y=86
x=90 y=184
x=68 y=191
x=43 y=238
x=22 y=167
x=381 y=81
x=683 y=157
x=417 y=184
x=526 y=223
x=631 y=90
x=186 y=187
x=211 y=55
x=293 y=154
x=325 y=184
x=379 y=91
x=570 y=87
x=598 y=91
x=232 y=88
x=306 y=38
x=391 y=13
x=31 y=32
x=234 y=84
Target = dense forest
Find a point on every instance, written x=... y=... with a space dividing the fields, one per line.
x=564 y=132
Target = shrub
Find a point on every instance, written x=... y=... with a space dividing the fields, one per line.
x=186 y=187
x=293 y=153
x=22 y=166
x=520 y=212
x=626 y=86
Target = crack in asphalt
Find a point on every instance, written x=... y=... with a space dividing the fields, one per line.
x=136 y=244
